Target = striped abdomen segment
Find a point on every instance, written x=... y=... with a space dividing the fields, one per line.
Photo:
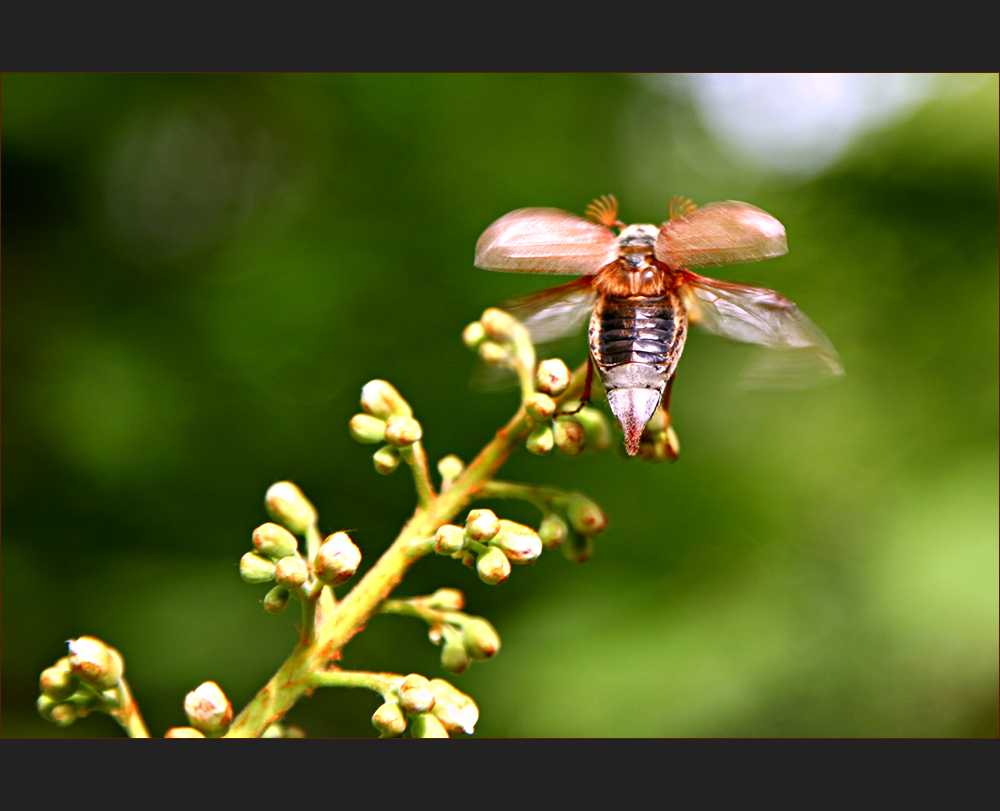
x=649 y=331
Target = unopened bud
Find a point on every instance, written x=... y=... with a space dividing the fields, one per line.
x=453 y=708
x=415 y=694
x=492 y=566
x=401 y=432
x=184 y=732
x=50 y=709
x=386 y=460
x=367 y=429
x=382 y=400
x=498 y=325
x=289 y=506
x=291 y=572
x=454 y=657
x=389 y=719
x=337 y=559
x=552 y=377
x=63 y=715
x=481 y=639
x=276 y=600
x=208 y=709
x=596 y=427
x=586 y=517
x=482 y=525
x=256 y=569
x=427 y=726
x=450 y=468
x=540 y=407
x=541 y=440
x=553 y=531
x=273 y=541
x=58 y=682
x=449 y=539
x=94 y=663
x=473 y=335
x=578 y=549
x=519 y=543
x=492 y=353
x=446 y=600
x=569 y=435
x=658 y=422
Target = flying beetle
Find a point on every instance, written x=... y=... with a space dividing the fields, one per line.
x=641 y=295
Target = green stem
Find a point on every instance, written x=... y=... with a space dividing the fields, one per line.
x=384 y=684
x=127 y=712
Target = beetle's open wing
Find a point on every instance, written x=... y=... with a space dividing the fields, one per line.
x=720 y=234
x=804 y=355
x=545 y=240
x=553 y=313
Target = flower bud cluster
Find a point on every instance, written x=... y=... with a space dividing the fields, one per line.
x=501 y=340
x=490 y=544
x=387 y=418
x=80 y=682
x=433 y=708
x=275 y=556
x=571 y=522
x=571 y=431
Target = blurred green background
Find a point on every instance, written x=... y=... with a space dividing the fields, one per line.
x=200 y=273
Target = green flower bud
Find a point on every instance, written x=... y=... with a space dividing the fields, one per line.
x=541 y=440
x=519 y=543
x=482 y=525
x=184 y=732
x=287 y=505
x=481 y=639
x=94 y=663
x=291 y=572
x=450 y=468
x=553 y=531
x=256 y=569
x=492 y=353
x=454 y=657
x=401 y=432
x=498 y=325
x=446 y=600
x=386 y=460
x=453 y=708
x=493 y=566
x=415 y=694
x=63 y=715
x=449 y=539
x=552 y=376
x=540 y=407
x=389 y=719
x=45 y=705
x=427 y=726
x=381 y=399
x=578 y=549
x=367 y=429
x=596 y=427
x=473 y=335
x=273 y=541
x=657 y=423
x=276 y=600
x=337 y=559
x=569 y=435
x=58 y=682
x=208 y=709
x=585 y=516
